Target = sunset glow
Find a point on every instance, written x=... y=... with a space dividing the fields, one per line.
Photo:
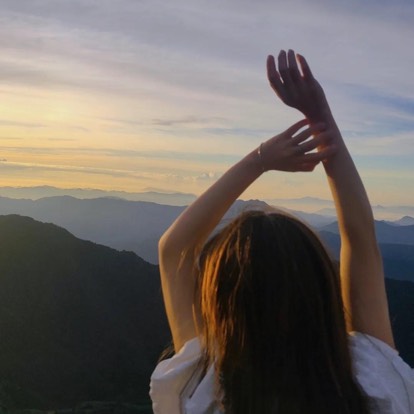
x=133 y=95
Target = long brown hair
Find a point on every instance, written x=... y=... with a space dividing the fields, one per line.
x=273 y=321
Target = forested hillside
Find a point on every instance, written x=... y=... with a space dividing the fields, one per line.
x=78 y=321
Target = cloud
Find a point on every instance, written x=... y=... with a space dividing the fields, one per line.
x=389 y=113
x=91 y=152
x=240 y=132
x=192 y=119
x=22 y=124
x=85 y=171
x=185 y=120
x=208 y=176
x=61 y=139
x=161 y=51
x=187 y=70
x=7 y=138
x=398 y=148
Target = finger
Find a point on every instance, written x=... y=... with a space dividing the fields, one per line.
x=304 y=135
x=283 y=69
x=293 y=66
x=274 y=77
x=311 y=144
x=296 y=127
x=319 y=156
x=308 y=166
x=328 y=152
x=272 y=73
x=307 y=73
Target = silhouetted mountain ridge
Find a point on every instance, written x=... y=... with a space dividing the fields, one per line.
x=75 y=318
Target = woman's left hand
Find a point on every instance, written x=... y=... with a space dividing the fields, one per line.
x=300 y=91
x=290 y=152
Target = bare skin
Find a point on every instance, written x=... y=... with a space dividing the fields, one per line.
x=361 y=265
x=287 y=151
x=362 y=275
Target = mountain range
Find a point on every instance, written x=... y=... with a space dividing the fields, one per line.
x=84 y=322
x=305 y=204
x=150 y=195
x=385 y=232
x=137 y=226
x=121 y=224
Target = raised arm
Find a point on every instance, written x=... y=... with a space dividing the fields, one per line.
x=178 y=246
x=362 y=275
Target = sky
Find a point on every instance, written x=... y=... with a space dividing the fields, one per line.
x=141 y=95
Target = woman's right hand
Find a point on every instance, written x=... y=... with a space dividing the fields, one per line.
x=292 y=151
x=297 y=90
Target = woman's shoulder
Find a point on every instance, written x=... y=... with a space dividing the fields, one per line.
x=366 y=347
x=179 y=364
x=382 y=373
x=176 y=383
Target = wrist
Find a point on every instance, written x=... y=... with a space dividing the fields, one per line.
x=323 y=114
x=254 y=161
x=259 y=158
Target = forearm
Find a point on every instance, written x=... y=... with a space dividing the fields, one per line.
x=363 y=285
x=194 y=225
x=355 y=218
x=362 y=276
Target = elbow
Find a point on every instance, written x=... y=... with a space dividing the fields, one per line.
x=169 y=248
x=164 y=246
x=165 y=253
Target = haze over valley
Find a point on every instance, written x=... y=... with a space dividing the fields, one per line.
x=136 y=226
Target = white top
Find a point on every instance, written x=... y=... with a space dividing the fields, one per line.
x=384 y=376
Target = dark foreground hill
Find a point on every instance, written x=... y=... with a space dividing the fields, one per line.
x=78 y=321
x=401 y=303
x=82 y=322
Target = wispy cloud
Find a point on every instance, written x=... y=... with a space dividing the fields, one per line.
x=61 y=139
x=121 y=153
x=141 y=175
x=185 y=120
x=240 y=132
x=192 y=120
x=22 y=124
x=187 y=77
